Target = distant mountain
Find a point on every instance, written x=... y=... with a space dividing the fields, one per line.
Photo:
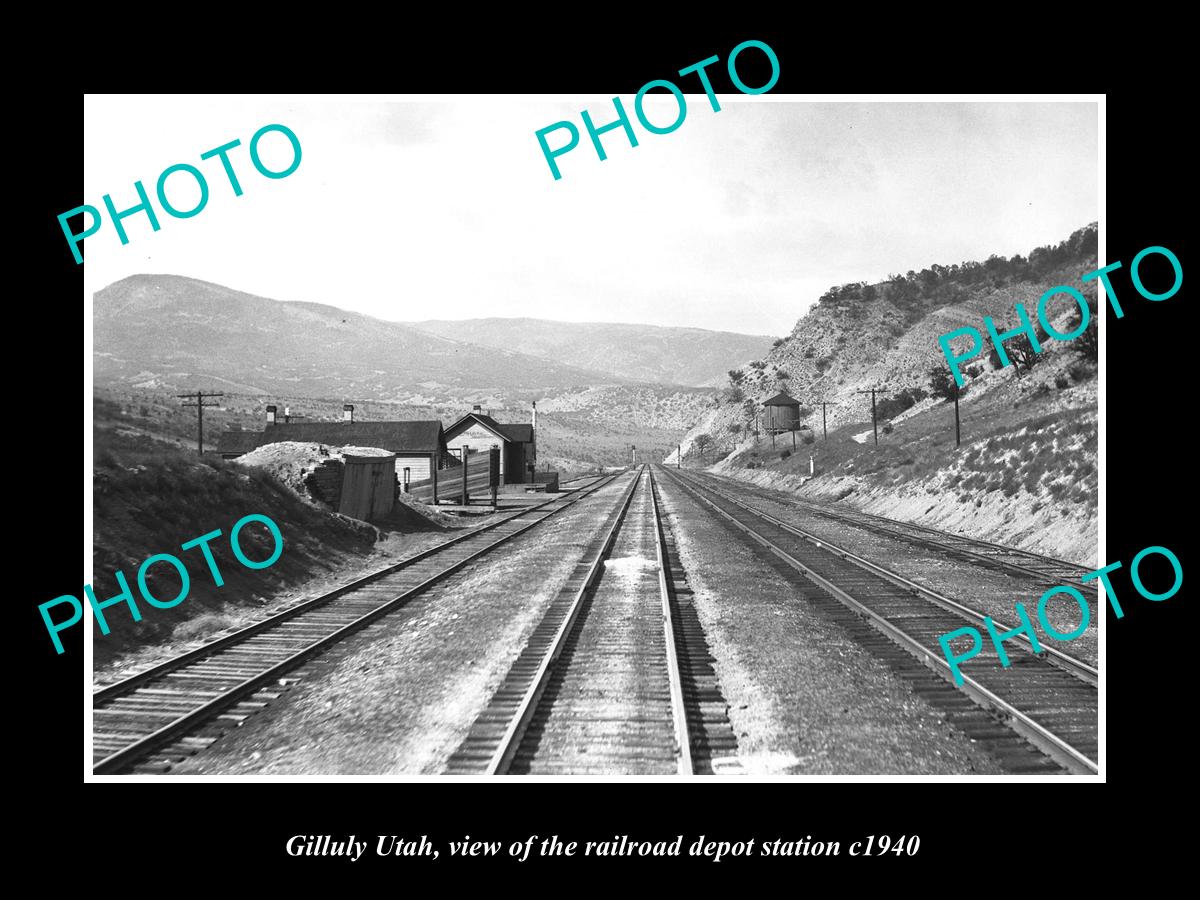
x=643 y=353
x=167 y=331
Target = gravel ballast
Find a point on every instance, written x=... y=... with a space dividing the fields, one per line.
x=804 y=698
x=398 y=698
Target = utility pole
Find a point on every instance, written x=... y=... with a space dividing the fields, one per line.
x=874 y=420
x=957 y=430
x=632 y=454
x=824 y=427
x=200 y=397
x=679 y=456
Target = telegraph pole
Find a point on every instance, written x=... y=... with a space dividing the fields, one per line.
x=200 y=397
x=679 y=456
x=824 y=428
x=957 y=430
x=874 y=420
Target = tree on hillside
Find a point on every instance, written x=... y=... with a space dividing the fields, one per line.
x=1019 y=349
x=702 y=442
x=735 y=376
x=941 y=383
x=1087 y=345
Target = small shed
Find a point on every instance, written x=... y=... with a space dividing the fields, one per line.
x=368 y=487
x=781 y=413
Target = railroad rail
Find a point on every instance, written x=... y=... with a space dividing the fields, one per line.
x=1045 y=569
x=616 y=678
x=152 y=720
x=1050 y=706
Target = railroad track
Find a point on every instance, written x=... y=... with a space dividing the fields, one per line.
x=154 y=719
x=1040 y=714
x=1043 y=569
x=616 y=678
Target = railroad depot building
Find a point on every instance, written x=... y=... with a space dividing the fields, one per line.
x=518 y=443
x=420 y=446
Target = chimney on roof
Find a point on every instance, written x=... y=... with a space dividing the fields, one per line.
x=347 y=412
x=535 y=416
x=477 y=409
x=271 y=414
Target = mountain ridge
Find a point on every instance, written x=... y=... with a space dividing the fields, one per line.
x=176 y=331
x=658 y=354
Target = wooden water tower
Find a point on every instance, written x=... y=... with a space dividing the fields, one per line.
x=781 y=413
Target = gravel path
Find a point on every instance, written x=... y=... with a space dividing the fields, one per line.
x=804 y=698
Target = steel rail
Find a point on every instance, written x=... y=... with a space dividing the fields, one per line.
x=120 y=688
x=942 y=539
x=678 y=712
x=1044 y=739
x=510 y=741
x=1074 y=665
x=190 y=720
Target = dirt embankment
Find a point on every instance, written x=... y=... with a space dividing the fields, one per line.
x=150 y=499
x=1017 y=521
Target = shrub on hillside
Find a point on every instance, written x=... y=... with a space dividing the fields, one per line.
x=1080 y=371
x=889 y=407
x=784 y=454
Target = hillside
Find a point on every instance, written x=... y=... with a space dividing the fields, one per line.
x=578 y=429
x=150 y=498
x=170 y=332
x=860 y=336
x=597 y=426
x=650 y=353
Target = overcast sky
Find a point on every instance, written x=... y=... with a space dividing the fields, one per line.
x=738 y=220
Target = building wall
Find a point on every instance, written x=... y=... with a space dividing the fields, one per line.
x=419 y=464
x=512 y=464
x=783 y=418
x=480 y=440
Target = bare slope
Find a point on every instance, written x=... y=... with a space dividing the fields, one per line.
x=686 y=356
x=169 y=331
x=1029 y=440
